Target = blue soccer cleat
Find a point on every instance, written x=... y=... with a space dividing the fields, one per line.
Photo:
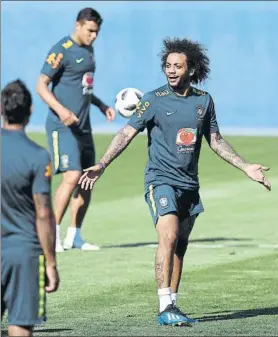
x=173 y=316
x=192 y=320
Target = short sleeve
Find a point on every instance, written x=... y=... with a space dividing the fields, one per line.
x=210 y=123
x=42 y=174
x=54 y=61
x=144 y=113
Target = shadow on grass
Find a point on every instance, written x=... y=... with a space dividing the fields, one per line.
x=239 y=314
x=141 y=244
x=42 y=330
x=37 y=330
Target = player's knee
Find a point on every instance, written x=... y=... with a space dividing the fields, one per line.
x=168 y=239
x=84 y=195
x=17 y=330
x=71 y=177
x=181 y=247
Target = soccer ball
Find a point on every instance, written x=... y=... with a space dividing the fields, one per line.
x=126 y=101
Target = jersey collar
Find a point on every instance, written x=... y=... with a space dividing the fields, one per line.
x=189 y=93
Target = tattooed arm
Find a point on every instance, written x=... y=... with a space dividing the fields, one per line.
x=119 y=143
x=224 y=150
x=122 y=139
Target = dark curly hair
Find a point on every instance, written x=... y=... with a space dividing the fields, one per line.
x=195 y=53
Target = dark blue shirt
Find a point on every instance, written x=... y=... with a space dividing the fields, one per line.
x=71 y=68
x=25 y=170
x=175 y=125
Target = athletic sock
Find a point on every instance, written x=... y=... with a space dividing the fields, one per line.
x=58 y=237
x=71 y=232
x=174 y=297
x=164 y=295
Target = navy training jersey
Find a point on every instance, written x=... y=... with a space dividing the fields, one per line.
x=71 y=68
x=175 y=125
x=25 y=170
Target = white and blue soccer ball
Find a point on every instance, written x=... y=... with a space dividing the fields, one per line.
x=127 y=100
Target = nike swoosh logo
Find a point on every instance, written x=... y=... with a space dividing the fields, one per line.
x=79 y=60
x=170 y=113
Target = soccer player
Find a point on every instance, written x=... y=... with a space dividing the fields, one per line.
x=70 y=66
x=28 y=225
x=177 y=116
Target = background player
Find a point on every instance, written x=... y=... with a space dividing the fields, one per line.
x=70 y=66
x=176 y=115
x=28 y=226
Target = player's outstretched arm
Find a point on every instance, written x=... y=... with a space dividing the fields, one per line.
x=46 y=230
x=119 y=143
x=224 y=150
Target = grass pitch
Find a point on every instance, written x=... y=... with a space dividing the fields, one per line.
x=231 y=268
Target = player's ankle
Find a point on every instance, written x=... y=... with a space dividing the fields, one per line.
x=58 y=232
x=164 y=295
x=71 y=232
x=174 y=298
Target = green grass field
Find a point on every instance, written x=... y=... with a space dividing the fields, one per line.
x=230 y=279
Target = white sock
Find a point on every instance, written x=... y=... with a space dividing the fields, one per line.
x=174 y=297
x=71 y=233
x=58 y=238
x=164 y=295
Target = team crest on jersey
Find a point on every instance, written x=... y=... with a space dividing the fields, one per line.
x=87 y=83
x=163 y=202
x=65 y=161
x=200 y=111
x=48 y=171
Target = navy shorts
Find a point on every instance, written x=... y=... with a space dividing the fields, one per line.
x=23 y=288
x=165 y=199
x=70 y=151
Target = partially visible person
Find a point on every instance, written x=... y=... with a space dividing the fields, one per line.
x=28 y=261
x=70 y=67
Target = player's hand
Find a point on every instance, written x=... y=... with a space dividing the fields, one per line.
x=68 y=118
x=110 y=114
x=91 y=175
x=52 y=279
x=255 y=172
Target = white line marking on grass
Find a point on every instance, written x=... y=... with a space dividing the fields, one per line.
x=223 y=245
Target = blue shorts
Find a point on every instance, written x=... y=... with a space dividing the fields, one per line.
x=22 y=287
x=70 y=151
x=165 y=199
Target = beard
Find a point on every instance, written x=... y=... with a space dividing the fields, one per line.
x=182 y=83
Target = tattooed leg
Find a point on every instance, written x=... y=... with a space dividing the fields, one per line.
x=167 y=230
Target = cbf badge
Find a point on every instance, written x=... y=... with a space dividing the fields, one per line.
x=200 y=111
x=163 y=202
x=65 y=161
